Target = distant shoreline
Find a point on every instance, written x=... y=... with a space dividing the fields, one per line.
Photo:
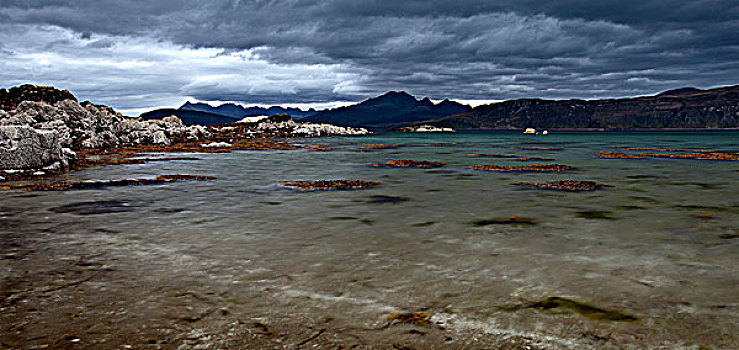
x=605 y=130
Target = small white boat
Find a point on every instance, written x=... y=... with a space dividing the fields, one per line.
x=530 y=131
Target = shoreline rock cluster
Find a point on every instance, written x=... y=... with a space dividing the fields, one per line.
x=283 y=125
x=424 y=128
x=42 y=129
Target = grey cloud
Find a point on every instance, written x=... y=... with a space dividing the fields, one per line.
x=467 y=49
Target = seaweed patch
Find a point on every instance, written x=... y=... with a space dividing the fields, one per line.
x=329 y=185
x=565 y=185
x=545 y=168
x=407 y=163
x=587 y=310
x=97 y=184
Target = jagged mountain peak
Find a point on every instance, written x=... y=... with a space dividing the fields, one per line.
x=390 y=108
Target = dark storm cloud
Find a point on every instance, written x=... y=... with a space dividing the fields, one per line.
x=462 y=49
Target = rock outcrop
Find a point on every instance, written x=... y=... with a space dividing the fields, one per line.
x=424 y=128
x=283 y=125
x=42 y=126
x=41 y=132
x=26 y=148
x=11 y=98
x=91 y=126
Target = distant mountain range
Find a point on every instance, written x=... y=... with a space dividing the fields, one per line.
x=681 y=108
x=205 y=114
x=239 y=112
x=392 y=108
x=190 y=117
x=388 y=110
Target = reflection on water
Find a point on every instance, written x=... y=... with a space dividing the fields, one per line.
x=660 y=246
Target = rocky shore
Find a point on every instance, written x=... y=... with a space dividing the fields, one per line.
x=43 y=129
x=424 y=128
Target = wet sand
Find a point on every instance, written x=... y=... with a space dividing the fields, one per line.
x=242 y=262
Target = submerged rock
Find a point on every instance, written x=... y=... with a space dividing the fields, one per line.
x=94 y=208
x=514 y=220
x=596 y=215
x=386 y=200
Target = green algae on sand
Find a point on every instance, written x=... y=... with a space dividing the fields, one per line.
x=584 y=309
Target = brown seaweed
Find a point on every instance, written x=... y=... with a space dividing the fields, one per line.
x=526 y=168
x=407 y=163
x=649 y=149
x=617 y=155
x=725 y=156
x=96 y=184
x=416 y=318
x=698 y=155
x=329 y=185
x=565 y=185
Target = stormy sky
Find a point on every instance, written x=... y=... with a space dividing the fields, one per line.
x=135 y=55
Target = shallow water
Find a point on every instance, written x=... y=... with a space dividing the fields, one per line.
x=661 y=245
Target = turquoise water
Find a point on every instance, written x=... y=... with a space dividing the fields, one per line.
x=660 y=245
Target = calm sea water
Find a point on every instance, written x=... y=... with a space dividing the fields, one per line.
x=660 y=245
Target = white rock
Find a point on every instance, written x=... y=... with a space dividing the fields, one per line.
x=216 y=144
x=160 y=138
x=253 y=119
